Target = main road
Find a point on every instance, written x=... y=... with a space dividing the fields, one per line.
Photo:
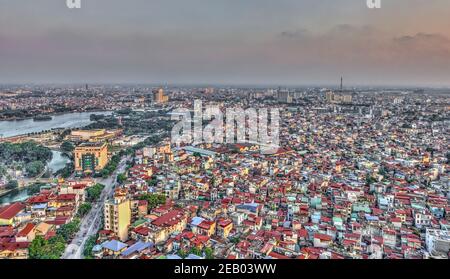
x=90 y=224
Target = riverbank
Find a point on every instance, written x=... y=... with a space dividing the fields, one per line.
x=18 y=194
x=4 y=192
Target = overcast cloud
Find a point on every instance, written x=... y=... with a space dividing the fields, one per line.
x=291 y=42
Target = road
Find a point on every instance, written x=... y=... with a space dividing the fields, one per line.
x=90 y=224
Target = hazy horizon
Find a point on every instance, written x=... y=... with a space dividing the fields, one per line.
x=290 y=43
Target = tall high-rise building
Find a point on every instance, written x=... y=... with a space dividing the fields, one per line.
x=159 y=97
x=284 y=96
x=117 y=212
x=340 y=96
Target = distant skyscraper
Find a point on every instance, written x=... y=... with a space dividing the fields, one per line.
x=284 y=96
x=159 y=97
x=341 y=96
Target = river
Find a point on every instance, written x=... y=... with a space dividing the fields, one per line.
x=58 y=161
x=66 y=120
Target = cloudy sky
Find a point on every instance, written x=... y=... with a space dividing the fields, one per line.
x=286 y=42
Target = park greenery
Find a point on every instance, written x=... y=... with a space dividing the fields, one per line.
x=134 y=122
x=28 y=156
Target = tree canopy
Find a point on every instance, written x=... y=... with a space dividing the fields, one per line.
x=153 y=199
x=94 y=192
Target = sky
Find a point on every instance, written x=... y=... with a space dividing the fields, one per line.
x=235 y=42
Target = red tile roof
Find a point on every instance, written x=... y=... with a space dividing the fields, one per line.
x=26 y=230
x=12 y=246
x=66 y=197
x=324 y=237
x=168 y=219
x=10 y=211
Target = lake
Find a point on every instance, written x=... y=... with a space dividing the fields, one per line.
x=66 y=120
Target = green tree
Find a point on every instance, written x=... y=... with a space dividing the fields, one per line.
x=34 y=168
x=40 y=248
x=153 y=199
x=67 y=231
x=90 y=243
x=182 y=253
x=121 y=178
x=152 y=182
x=94 y=192
x=235 y=240
x=67 y=147
x=84 y=209
x=35 y=248
x=209 y=253
x=196 y=251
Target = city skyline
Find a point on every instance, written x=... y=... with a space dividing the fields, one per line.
x=292 y=43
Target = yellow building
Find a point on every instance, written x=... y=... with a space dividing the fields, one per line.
x=117 y=214
x=8 y=213
x=90 y=157
x=85 y=135
x=14 y=250
x=224 y=228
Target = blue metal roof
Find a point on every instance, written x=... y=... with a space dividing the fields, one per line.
x=196 y=221
x=114 y=245
x=137 y=247
x=39 y=206
x=199 y=150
